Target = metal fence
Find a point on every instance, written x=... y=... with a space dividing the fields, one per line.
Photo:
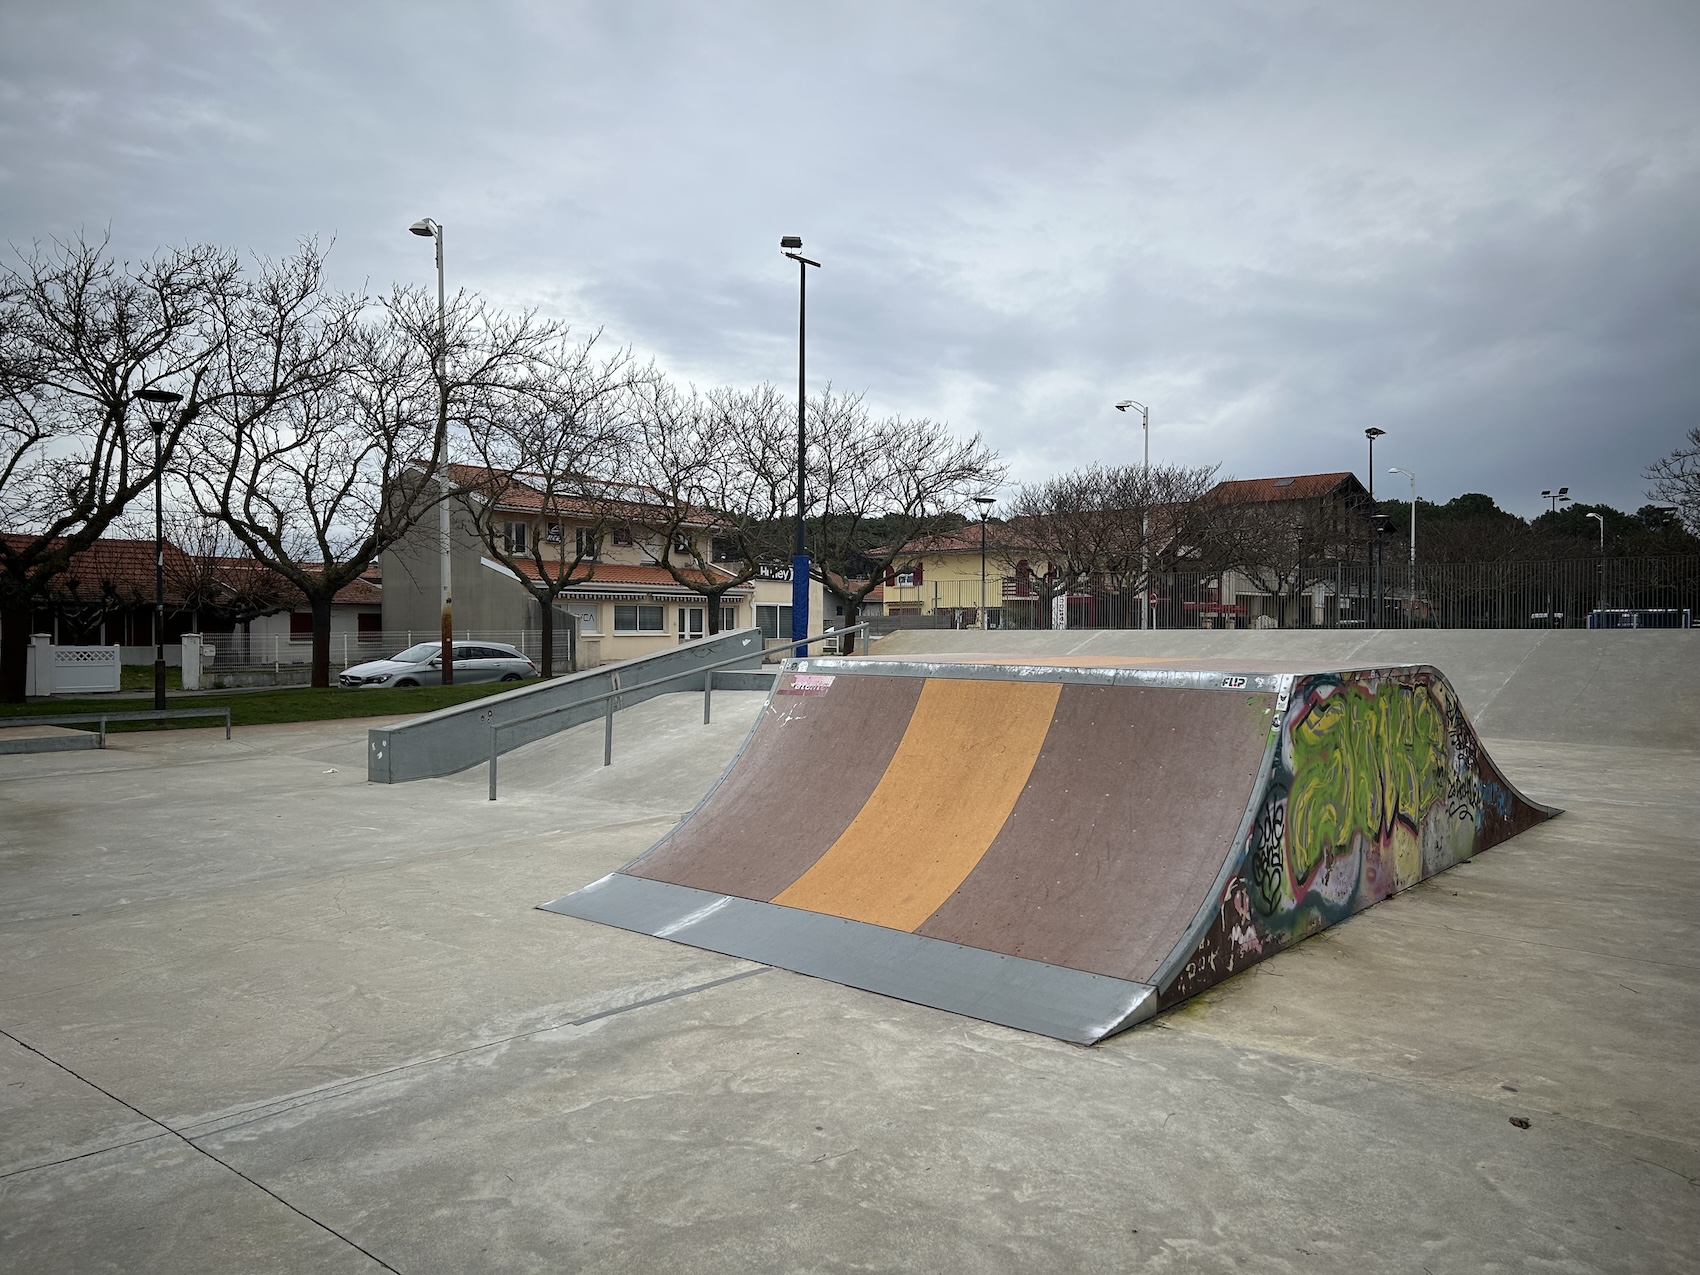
x=277 y=651
x=1556 y=593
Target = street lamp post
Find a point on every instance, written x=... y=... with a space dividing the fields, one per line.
x=428 y=228
x=1145 y=515
x=792 y=247
x=1601 y=519
x=163 y=399
x=985 y=503
x=1372 y=433
x=1396 y=470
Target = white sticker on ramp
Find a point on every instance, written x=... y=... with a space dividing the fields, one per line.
x=806 y=684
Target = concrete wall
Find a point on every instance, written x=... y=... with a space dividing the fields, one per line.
x=1625 y=687
x=452 y=739
x=483 y=598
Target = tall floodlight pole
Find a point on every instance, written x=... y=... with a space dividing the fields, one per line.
x=1372 y=433
x=427 y=228
x=1145 y=515
x=161 y=399
x=1558 y=496
x=792 y=247
x=985 y=503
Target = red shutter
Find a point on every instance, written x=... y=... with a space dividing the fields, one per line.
x=891 y=575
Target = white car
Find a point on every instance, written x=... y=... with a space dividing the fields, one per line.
x=422 y=665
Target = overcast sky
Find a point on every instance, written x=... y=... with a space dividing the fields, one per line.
x=1472 y=225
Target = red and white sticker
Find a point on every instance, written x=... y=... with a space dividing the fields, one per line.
x=806 y=684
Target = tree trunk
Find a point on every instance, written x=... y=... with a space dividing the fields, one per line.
x=321 y=640
x=847 y=643
x=713 y=616
x=548 y=634
x=15 y=616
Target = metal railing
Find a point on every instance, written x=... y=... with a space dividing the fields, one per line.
x=609 y=698
x=83 y=719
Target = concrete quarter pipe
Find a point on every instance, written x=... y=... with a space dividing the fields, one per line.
x=1063 y=846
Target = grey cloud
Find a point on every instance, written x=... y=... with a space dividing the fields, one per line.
x=1470 y=225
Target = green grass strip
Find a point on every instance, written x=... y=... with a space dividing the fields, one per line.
x=261 y=708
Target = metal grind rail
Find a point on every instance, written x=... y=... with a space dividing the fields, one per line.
x=83 y=719
x=704 y=671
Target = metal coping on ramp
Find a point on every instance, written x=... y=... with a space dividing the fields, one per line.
x=1063 y=846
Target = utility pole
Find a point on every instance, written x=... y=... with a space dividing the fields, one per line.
x=427 y=228
x=1372 y=433
x=792 y=247
x=1145 y=516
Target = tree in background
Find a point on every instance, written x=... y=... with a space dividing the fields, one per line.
x=726 y=461
x=319 y=476
x=1110 y=527
x=80 y=337
x=908 y=476
x=553 y=447
x=1675 y=480
x=213 y=572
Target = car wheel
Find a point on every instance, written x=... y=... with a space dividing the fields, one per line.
x=511 y=677
x=407 y=681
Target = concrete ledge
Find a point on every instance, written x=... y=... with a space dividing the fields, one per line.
x=59 y=741
x=453 y=739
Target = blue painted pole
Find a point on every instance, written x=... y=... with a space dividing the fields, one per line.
x=800 y=600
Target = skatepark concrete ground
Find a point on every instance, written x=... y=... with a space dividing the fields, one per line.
x=261 y=1015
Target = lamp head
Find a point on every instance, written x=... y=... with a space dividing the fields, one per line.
x=159 y=396
x=791 y=243
x=1124 y=405
x=1564 y=492
x=1373 y=433
x=424 y=227
x=985 y=503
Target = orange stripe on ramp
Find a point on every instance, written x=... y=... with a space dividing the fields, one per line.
x=950 y=785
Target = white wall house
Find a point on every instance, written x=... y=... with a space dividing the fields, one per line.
x=622 y=600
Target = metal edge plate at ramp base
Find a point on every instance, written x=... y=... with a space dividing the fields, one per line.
x=1010 y=990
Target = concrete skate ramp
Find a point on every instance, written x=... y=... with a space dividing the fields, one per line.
x=1638 y=688
x=1063 y=846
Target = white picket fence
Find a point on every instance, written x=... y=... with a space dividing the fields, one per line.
x=72 y=670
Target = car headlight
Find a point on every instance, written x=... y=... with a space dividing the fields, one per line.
x=378 y=679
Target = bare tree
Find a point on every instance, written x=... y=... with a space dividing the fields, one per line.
x=551 y=449
x=318 y=478
x=1107 y=527
x=906 y=477
x=80 y=337
x=724 y=461
x=213 y=572
x=1274 y=542
x=1675 y=479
